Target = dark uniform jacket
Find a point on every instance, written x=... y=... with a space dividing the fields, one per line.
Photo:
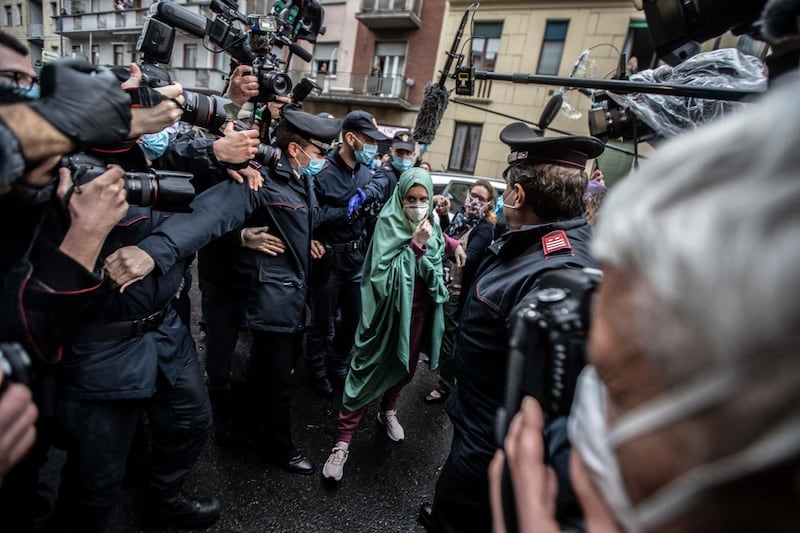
x=275 y=287
x=334 y=186
x=507 y=276
x=124 y=368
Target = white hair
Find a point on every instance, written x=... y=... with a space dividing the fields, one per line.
x=710 y=227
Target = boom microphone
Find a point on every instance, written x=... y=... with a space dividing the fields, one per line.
x=435 y=97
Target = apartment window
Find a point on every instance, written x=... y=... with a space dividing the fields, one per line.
x=53 y=9
x=386 y=76
x=555 y=34
x=639 y=45
x=19 y=13
x=325 y=55
x=189 y=56
x=464 y=150
x=486 y=44
x=119 y=54
x=9 y=16
x=257 y=6
x=96 y=54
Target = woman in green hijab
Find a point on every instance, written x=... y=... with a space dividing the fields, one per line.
x=402 y=292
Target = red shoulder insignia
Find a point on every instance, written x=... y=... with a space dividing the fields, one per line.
x=555 y=241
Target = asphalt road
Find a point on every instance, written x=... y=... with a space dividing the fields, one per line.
x=384 y=482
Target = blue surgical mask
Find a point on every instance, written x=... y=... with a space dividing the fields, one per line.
x=154 y=144
x=367 y=152
x=314 y=166
x=400 y=164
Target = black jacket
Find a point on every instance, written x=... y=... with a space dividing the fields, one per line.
x=127 y=368
x=383 y=182
x=274 y=287
x=334 y=186
x=508 y=275
x=38 y=308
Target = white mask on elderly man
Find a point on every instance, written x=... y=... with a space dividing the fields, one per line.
x=596 y=443
x=416 y=212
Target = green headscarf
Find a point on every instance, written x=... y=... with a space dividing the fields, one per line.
x=381 y=353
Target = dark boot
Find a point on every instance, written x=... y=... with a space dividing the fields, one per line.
x=185 y=510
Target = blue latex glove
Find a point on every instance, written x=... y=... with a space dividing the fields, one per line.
x=356 y=201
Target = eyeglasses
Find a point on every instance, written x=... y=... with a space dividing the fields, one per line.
x=21 y=79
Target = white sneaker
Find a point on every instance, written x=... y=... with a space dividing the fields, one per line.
x=334 y=466
x=393 y=428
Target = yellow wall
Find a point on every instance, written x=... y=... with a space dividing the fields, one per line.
x=592 y=22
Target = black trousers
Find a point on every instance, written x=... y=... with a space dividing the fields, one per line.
x=329 y=346
x=461 y=501
x=269 y=388
x=97 y=436
x=223 y=316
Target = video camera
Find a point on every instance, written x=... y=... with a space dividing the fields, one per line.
x=161 y=190
x=287 y=22
x=547 y=347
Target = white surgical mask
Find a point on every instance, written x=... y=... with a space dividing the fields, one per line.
x=596 y=443
x=416 y=212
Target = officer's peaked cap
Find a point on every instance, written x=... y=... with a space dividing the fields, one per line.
x=320 y=131
x=528 y=145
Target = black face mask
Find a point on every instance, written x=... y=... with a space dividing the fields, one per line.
x=13 y=94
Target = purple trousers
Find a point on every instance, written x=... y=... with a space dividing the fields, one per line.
x=348 y=421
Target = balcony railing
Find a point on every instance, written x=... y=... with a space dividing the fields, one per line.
x=363 y=85
x=388 y=14
x=131 y=19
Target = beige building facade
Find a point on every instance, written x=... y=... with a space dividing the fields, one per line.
x=533 y=37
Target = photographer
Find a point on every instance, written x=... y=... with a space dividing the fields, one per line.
x=688 y=419
x=543 y=207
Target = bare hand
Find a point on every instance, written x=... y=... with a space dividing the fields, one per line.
x=128 y=265
x=276 y=106
x=423 y=232
x=18 y=416
x=97 y=206
x=442 y=204
x=243 y=85
x=259 y=239
x=317 y=249
x=154 y=119
x=460 y=256
x=254 y=178
x=236 y=146
x=535 y=484
x=597 y=175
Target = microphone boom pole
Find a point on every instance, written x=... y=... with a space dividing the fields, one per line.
x=622 y=86
x=436 y=97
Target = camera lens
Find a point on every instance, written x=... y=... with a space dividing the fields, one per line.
x=170 y=192
x=141 y=188
x=274 y=83
x=205 y=111
x=267 y=155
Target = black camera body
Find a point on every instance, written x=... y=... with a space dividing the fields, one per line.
x=15 y=364
x=161 y=190
x=547 y=347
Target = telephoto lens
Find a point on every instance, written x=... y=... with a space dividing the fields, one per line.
x=162 y=190
x=205 y=111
